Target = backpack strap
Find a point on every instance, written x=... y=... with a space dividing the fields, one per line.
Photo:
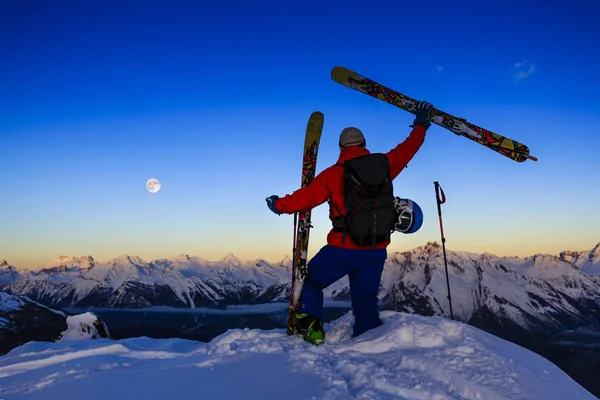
x=338 y=222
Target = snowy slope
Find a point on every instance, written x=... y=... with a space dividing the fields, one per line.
x=587 y=261
x=410 y=357
x=8 y=304
x=22 y=320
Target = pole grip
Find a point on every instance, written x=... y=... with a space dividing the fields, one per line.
x=438 y=190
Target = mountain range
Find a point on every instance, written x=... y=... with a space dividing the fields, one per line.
x=509 y=296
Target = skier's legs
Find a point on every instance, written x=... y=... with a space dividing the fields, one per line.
x=325 y=268
x=364 y=288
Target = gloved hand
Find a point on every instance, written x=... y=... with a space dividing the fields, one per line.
x=271 y=200
x=422 y=111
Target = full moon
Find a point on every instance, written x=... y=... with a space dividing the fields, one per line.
x=153 y=185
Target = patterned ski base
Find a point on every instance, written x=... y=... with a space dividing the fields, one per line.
x=299 y=266
x=505 y=146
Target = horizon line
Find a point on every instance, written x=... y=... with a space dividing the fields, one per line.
x=287 y=256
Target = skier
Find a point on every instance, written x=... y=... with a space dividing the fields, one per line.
x=342 y=255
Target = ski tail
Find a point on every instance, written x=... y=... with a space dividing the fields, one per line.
x=507 y=147
x=302 y=221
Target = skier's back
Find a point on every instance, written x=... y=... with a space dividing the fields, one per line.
x=363 y=263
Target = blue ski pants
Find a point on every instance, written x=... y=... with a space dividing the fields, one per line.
x=364 y=269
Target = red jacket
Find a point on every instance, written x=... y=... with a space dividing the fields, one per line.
x=327 y=185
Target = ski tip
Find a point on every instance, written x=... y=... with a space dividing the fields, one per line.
x=316 y=117
x=335 y=71
x=341 y=74
x=532 y=158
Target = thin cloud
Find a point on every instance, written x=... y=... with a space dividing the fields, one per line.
x=439 y=68
x=520 y=64
x=524 y=69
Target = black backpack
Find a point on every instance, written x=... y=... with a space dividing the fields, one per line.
x=369 y=198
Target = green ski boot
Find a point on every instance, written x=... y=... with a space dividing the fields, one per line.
x=311 y=328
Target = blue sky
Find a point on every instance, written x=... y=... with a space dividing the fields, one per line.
x=97 y=97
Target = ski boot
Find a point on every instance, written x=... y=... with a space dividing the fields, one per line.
x=311 y=328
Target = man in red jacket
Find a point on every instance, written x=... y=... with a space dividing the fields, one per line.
x=343 y=256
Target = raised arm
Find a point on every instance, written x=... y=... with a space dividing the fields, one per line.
x=401 y=155
x=306 y=198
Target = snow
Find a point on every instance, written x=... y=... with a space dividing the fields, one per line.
x=587 y=261
x=71 y=262
x=8 y=273
x=4 y=323
x=409 y=357
x=9 y=302
x=44 y=306
x=80 y=327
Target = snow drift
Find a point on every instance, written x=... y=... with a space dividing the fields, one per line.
x=409 y=357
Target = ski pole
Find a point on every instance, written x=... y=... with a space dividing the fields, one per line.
x=438 y=190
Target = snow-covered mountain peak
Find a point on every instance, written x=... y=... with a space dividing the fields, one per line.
x=6 y=267
x=430 y=248
x=232 y=261
x=60 y=260
x=117 y=272
x=127 y=261
x=587 y=261
x=66 y=264
x=8 y=273
x=183 y=257
x=286 y=262
x=66 y=260
x=594 y=254
x=548 y=261
x=569 y=255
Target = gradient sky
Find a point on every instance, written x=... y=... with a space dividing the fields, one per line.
x=96 y=97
